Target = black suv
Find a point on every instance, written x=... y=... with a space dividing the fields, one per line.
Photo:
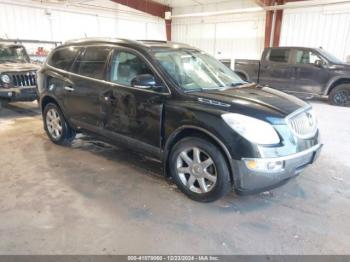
x=173 y=102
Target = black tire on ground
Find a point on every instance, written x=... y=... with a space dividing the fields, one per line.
x=217 y=189
x=242 y=76
x=67 y=133
x=340 y=95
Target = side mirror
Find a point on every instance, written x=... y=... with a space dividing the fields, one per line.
x=145 y=81
x=319 y=63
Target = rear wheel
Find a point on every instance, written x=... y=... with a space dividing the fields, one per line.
x=340 y=95
x=199 y=169
x=56 y=127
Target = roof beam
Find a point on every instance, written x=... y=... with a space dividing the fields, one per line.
x=152 y=8
x=146 y=6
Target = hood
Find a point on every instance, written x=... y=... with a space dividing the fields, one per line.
x=16 y=67
x=251 y=99
x=342 y=66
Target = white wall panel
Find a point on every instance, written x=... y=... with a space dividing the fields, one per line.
x=24 y=22
x=328 y=27
x=226 y=37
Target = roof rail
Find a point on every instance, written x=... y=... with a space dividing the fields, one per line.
x=153 y=41
x=99 y=39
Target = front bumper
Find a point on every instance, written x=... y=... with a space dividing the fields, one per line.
x=248 y=181
x=18 y=94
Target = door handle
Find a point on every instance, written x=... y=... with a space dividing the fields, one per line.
x=110 y=98
x=69 y=89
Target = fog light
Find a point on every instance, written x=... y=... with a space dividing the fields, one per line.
x=264 y=165
x=251 y=164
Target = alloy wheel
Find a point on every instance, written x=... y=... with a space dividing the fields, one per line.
x=54 y=123
x=342 y=97
x=196 y=170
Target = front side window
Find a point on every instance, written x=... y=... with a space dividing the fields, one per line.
x=279 y=55
x=13 y=54
x=63 y=58
x=92 y=62
x=306 y=57
x=196 y=70
x=126 y=66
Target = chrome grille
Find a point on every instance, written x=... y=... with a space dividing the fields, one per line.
x=303 y=124
x=23 y=79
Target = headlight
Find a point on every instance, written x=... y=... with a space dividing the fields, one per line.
x=5 y=79
x=252 y=129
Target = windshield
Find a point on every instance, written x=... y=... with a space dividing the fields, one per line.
x=330 y=57
x=13 y=54
x=195 y=70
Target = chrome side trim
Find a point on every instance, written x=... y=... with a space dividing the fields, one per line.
x=284 y=158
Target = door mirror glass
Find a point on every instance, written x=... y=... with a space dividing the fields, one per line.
x=144 y=81
x=319 y=63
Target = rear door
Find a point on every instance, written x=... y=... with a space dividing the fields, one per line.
x=87 y=84
x=275 y=69
x=308 y=76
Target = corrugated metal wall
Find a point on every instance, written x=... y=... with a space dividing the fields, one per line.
x=328 y=27
x=25 y=22
x=227 y=37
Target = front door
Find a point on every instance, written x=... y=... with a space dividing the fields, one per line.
x=309 y=77
x=83 y=99
x=134 y=113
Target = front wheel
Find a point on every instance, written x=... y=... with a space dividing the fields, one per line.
x=340 y=95
x=56 y=127
x=199 y=169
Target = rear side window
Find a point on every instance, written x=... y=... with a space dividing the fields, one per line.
x=92 y=62
x=279 y=55
x=63 y=58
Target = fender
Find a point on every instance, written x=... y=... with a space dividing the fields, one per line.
x=200 y=129
x=332 y=81
x=243 y=73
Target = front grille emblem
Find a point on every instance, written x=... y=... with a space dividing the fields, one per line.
x=310 y=119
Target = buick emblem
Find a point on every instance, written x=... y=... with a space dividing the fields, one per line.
x=310 y=119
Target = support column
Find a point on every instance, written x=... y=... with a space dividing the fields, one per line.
x=168 y=29
x=273 y=25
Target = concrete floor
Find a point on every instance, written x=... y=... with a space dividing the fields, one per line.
x=93 y=198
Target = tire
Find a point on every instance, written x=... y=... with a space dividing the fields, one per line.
x=242 y=76
x=340 y=95
x=56 y=126
x=192 y=177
